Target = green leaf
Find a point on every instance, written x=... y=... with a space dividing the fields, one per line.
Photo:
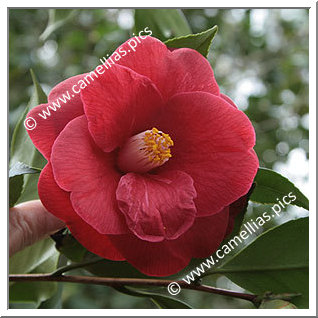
x=16 y=180
x=35 y=292
x=54 y=302
x=199 y=41
x=31 y=257
x=20 y=168
x=270 y=186
x=277 y=261
x=40 y=257
x=164 y=23
x=22 y=148
x=15 y=189
x=161 y=301
x=165 y=302
x=277 y=304
x=38 y=96
x=69 y=246
x=109 y=268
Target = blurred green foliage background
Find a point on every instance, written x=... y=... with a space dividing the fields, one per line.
x=259 y=57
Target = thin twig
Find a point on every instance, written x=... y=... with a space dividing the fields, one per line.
x=115 y=282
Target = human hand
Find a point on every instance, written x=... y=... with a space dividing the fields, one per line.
x=28 y=223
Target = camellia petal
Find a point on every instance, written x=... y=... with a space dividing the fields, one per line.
x=57 y=202
x=157 y=207
x=119 y=104
x=177 y=71
x=81 y=168
x=170 y=256
x=212 y=142
x=228 y=99
x=55 y=114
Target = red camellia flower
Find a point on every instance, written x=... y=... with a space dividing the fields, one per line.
x=144 y=164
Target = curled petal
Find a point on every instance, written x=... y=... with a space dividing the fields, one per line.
x=157 y=207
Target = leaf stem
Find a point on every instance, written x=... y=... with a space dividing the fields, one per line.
x=67 y=268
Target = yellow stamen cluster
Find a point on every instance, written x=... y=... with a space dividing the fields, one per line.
x=157 y=146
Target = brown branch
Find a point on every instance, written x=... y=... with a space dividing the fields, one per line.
x=116 y=282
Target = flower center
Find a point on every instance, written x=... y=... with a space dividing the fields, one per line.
x=145 y=151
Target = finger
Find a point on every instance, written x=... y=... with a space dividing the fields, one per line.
x=28 y=223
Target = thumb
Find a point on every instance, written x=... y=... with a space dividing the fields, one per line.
x=28 y=223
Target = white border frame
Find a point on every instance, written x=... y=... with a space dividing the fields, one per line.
x=312 y=162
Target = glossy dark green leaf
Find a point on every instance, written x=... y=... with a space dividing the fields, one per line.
x=22 y=148
x=271 y=186
x=162 y=301
x=109 y=268
x=69 y=246
x=164 y=23
x=15 y=189
x=16 y=180
x=200 y=42
x=35 y=292
x=277 y=261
